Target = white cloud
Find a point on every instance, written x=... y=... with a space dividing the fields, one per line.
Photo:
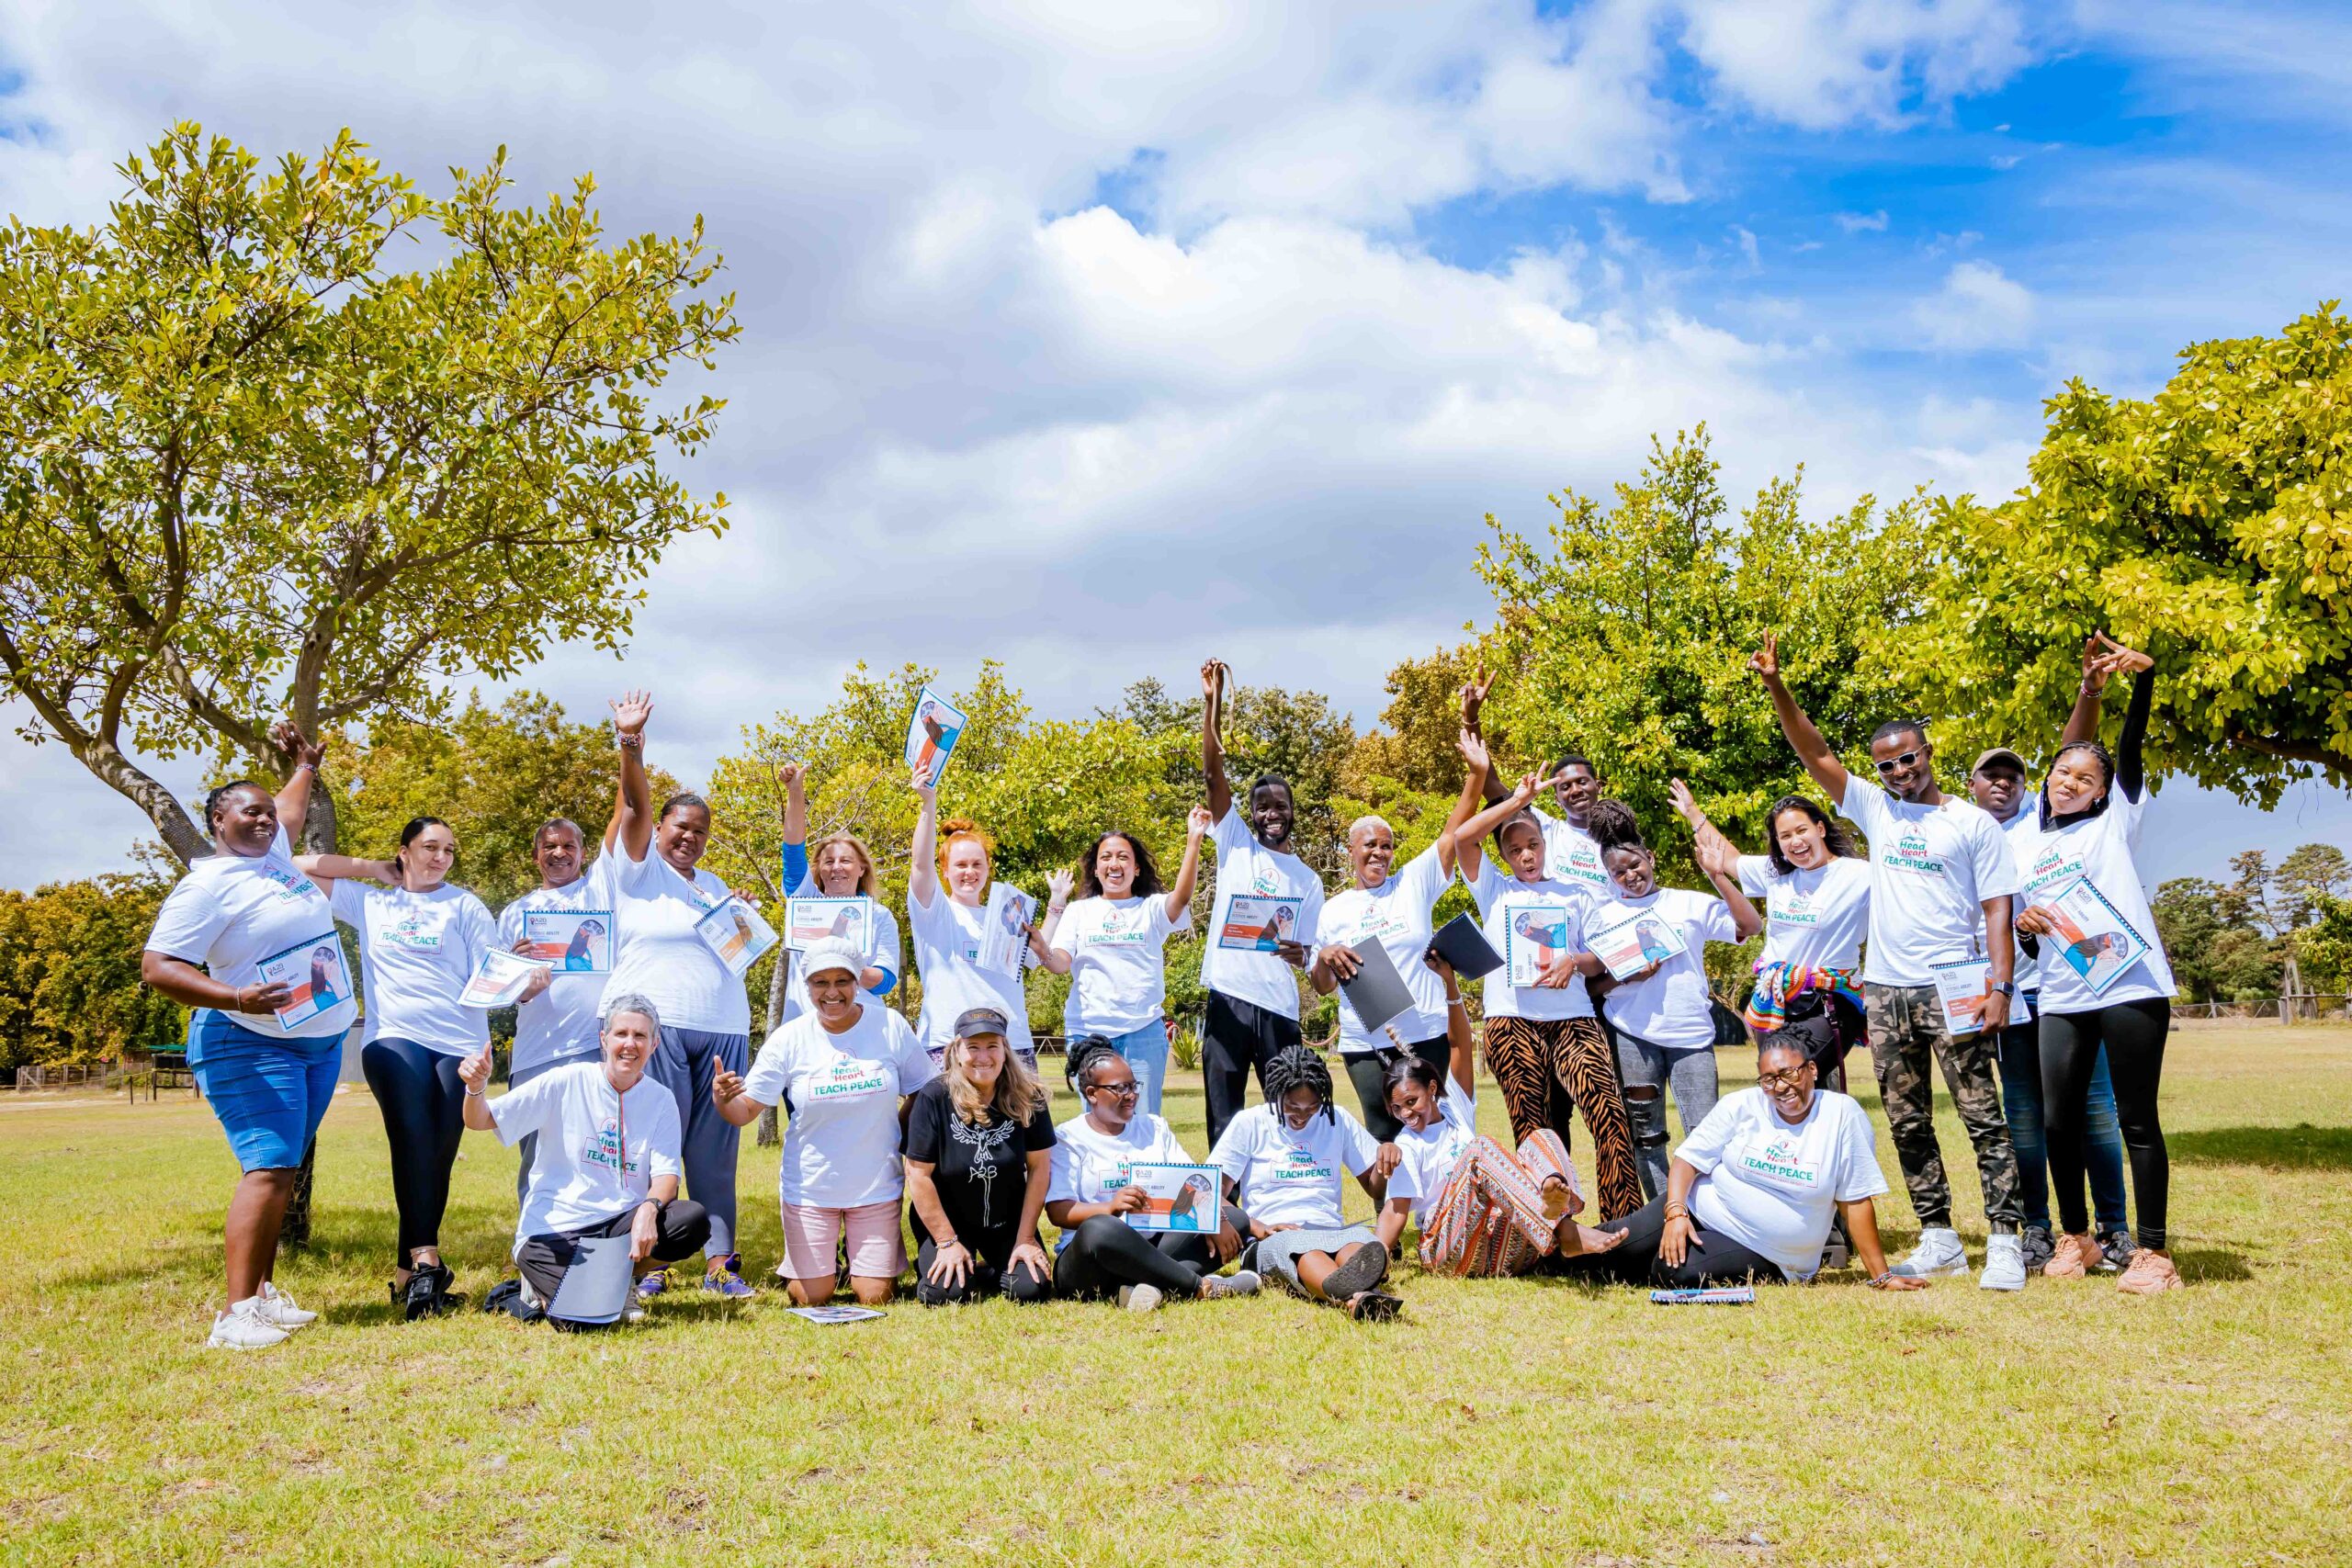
x=1864 y=223
x=1822 y=63
x=1979 y=307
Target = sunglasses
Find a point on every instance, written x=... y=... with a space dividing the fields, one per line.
x=1905 y=760
x=1793 y=1078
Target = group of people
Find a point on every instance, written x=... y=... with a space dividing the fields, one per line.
x=629 y=1084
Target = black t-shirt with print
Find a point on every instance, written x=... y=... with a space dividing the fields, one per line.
x=980 y=1169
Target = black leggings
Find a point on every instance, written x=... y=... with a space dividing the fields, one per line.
x=423 y=1102
x=1368 y=1071
x=988 y=1275
x=1712 y=1259
x=1106 y=1252
x=2133 y=1034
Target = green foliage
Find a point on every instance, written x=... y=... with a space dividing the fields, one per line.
x=1626 y=634
x=70 y=991
x=2206 y=526
x=2324 y=948
x=2216 y=952
x=251 y=463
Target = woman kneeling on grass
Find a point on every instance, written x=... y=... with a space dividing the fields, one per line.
x=1281 y=1161
x=1090 y=1192
x=607 y=1164
x=1751 y=1190
x=1481 y=1209
x=979 y=1152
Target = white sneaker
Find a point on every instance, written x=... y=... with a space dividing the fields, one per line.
x=1939 y=1253
x=275 y=1307
x=1240 y=1282
x=244 y=1328
x=1139 y=1298
x=2003 y=1264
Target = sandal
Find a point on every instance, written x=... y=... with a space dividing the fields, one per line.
x=1372 y=1306
x=1358 y=1274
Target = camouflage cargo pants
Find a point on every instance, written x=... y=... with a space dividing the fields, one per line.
x=1906 y=1031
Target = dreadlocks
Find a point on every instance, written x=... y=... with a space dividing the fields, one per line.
x=1297 y=1067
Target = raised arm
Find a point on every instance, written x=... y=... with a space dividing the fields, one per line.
x=1462 y=1045
x=1471 y=834
x=294 y=798
x=1477 y=770
x=1212 y=747
x=1041 y=939
x=796 y=803
x=633 y=814
x=923 y=870
x=1473 y=700
x=1715 y=852
x=1197 y=823
x=1804 y=738
x=328 y=870
x=2130 y=769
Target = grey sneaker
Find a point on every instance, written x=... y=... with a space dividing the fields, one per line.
x=2039 y=1247
x=2117 y=1248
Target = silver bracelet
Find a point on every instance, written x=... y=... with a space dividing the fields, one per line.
x=477 y=1094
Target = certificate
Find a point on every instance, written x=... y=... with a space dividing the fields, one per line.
x=1255 y=924
x=499 y=979
x=1962 y=986
x=1536 y=935
x=576 y=941
x=932 y=731
x=315 y=970
x=1004 y=935
x=1176 y=1197
x=736 y=932
x=808 y=921
x=1633 y=945
x=2093 y=937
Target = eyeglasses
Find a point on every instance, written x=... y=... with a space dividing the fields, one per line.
x=1127 y=1090
x=1905 y=760
x=1775 y=1082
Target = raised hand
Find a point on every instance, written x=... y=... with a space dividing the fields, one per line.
x=791 y=775
x=1057 y=886
x=1197 y=822
x=1766 y=661
x=287 y=736
x=1212 y=678
x=1473 y=698
x=1473 y=749
x=924 y=785
x=1529 y=785
x=1685 y=802
x=631 y=711
x=2104 y=657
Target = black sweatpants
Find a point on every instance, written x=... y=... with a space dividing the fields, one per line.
x=423 y=1104
x=1236 y=1037
x=681 y=1226
x=1368 y=1070
x=1106 y=1252
x=2133 y=1034
x=1713 y=1259
x=990 y=1275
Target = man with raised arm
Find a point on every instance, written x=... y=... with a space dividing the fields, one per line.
x=1941 y=880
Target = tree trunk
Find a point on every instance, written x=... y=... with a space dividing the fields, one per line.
x=180 y=832
x=768 y=1134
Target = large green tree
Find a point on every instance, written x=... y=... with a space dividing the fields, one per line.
x=2207 y=524
x=304 y=441
x=70 y=991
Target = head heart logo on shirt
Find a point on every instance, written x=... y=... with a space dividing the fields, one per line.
x=1262 y=882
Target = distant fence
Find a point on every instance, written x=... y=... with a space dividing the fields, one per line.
x=2317 y=1008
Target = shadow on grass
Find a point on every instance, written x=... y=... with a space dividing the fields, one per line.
x=2300 y=1147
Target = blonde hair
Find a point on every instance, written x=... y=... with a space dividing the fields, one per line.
x=868 y=882
x=1018 y=1095
x=957 y=828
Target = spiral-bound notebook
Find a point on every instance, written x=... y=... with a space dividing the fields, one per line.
x=1717 y=1295
x=1376 y=992
x=1461 y=944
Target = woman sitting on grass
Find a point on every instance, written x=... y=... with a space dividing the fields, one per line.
x=979 y=1152
x=1751 y=1190
x=1090 y=1192
x=1481 y=1209
x=607 y=1165
x=1281 y=1161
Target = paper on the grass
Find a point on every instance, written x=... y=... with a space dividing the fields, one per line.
x=808 y=921
x=1712 y=1296
x=932 y=731
x=1962 y=986
x=1183 y=1197
x=576 y=941
x=737 y=932
x=316 y=973
x=1377 y=992
x=2093 y=937
x=1258 y=924
x=1633 y=945
x=499 y=978
x=834 y=1313
x=1003 y=933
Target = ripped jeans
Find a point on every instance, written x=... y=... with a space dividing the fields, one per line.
x=1645 y=1072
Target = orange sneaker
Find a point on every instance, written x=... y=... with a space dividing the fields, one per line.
x=2149 y=1273
x=2074 y=1257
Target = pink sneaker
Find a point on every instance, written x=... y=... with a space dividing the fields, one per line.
x=2074 y=1257
x=2149 y=1273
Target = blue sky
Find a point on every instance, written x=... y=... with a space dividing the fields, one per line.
x=1099 y=339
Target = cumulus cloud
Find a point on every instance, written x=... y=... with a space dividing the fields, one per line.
x=1979 y=307
x=1822 y=63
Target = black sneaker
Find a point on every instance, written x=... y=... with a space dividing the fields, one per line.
x=2116 y=1248
x=428 y=1293
x=2039 y=1247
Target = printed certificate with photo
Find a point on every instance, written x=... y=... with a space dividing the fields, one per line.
x=1004 y=932
x=1176 y=1197
x=1633 y=945
x=316 y=971
x=1962 y=986
x=2093 y=937
x=499 y=979
x=931 y=732
x=576 y=941
x=808 y=921
x=1535 y=937
x=737 y=932
x=1255 y=924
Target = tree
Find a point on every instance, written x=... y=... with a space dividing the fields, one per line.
x=247 y=468
x=70 y=991
x=2309 y=880
x=2205 y=525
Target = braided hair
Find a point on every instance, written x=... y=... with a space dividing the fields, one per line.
x=1081 y=1056
x=1297 y=1066
x=1404 y=1067
x=1613 y=826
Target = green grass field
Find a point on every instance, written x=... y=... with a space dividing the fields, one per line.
x=1524 y=1420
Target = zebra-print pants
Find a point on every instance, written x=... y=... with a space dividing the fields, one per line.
x=1548 y=1068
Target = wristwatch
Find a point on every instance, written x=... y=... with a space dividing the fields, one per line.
x=2004 y=987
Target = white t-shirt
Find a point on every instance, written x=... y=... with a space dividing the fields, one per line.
x=1087 y=1166
x=660 y=955
x=584 y=1173
x=1572 y=855
x=839 y=1096
x=1397 y=914
x=1505 y=898
x=947 y=951
x=562 y=1021
x=1293 y=1177
x=882 y=951
x=1670 y=1009
x=1427 y=1158
x=1773 y=1186
x=1931 y=868
x=1118 y=977
x=1814 y=919
x=232 y=911
x=416 y=952
x=1246 y=867
x=2099 y=848
x=2023 y=830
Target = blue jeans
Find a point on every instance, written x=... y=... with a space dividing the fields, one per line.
x=2102 y=1136
x=1146 y=1050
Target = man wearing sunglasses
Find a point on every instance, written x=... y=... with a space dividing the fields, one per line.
x=1941 y=880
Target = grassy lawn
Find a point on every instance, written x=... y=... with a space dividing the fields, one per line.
x=1524 y=1420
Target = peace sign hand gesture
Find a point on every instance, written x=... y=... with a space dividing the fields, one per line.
x=1766 y=661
